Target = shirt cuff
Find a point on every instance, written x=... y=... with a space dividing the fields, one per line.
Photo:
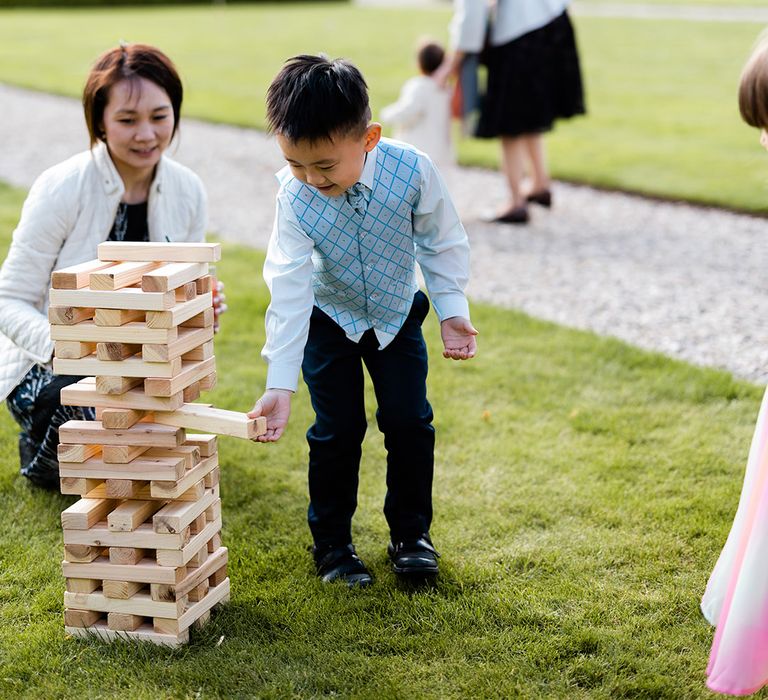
x=450 y=305
x=282 y=376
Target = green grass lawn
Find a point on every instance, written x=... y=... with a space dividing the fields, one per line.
x=661 y=94
x=583 y=491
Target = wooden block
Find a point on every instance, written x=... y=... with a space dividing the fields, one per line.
x=118 y=418
x=201 y=352
x=77 y=276
x=82 y=552
x=187 y=340
x=214 y=420
x=194 y=553
x=124 y=621
x=214 y=543
x=174 y=489
x=116 y=385
x=143 y=469
x=82 y=585
x=125 y=555
x=121 y=454
x=84 y=393
x=146 y=571
x=118 y=317
x=208 y=382
x=190 y=372
x=208 y=444
x=163 y=625
x=130 y=514
x=212 y=478
x=219 y=576
x=204 y=284
x=170 y=317
x=186 y=292
x=133 y=332
x=191 y=393
x=89 y=432
x=145 y=633
x=201 y=621
x=141 y=492
x=121 y=589
x=199 y=592
x=122 y=488
x=85 y=513
x=143 y=537
x=73 y=349
x=115 y=351
x=161 y=252
x=172 y=275
x=80 y=486
x=213 y=512
x=140 y=604
x=81 y=618
x=129 y=367
x=198 y=524
x=68 y=315
x=176 y=516
x=201 y=320
x=123 y=274
x=126 y=298
x=194 y=577
x=189 y=453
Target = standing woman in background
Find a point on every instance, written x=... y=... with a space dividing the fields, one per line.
x=122 y=188
x=534 y=78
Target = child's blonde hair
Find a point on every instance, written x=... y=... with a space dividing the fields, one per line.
x=753 y=86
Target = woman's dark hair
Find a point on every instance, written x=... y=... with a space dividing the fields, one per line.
x=315 y=98
x=753 y=87
x=128 y=62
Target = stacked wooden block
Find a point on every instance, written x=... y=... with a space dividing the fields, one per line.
x=143 y=553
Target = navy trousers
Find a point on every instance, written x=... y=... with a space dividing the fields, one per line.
x=333 y=371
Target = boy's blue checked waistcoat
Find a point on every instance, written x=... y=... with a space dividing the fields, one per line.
x=364 y=265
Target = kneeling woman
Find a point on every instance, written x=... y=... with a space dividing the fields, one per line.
x=123 y=188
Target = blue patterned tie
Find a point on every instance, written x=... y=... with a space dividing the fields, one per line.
x=356 y=198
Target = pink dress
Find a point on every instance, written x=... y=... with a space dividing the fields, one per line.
x=736 y=598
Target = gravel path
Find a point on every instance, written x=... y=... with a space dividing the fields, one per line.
x=687 y=281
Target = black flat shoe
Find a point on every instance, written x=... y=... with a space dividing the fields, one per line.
x=341 y=564
x=543 y=198
x=518 y=215
x=414 y=558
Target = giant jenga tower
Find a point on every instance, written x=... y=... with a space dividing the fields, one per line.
x=143 y=557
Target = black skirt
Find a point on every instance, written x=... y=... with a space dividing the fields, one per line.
x=532 y=81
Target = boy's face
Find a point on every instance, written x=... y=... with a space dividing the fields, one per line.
x=331 y=167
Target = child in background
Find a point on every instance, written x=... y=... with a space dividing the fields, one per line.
x=355 y=213
x=422 y=114
x=736 y=598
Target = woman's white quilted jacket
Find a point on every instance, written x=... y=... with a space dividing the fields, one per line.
x=70 y=210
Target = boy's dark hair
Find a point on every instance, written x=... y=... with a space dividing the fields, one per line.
x=430 y=56
x=315 y=98
x=128 y=62
x=753 y=87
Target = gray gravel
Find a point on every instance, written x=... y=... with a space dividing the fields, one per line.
x=687 y=281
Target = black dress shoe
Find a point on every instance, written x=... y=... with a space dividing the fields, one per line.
x=543 y=197
x=417 y=558
x=341 y=564
x=518 y=215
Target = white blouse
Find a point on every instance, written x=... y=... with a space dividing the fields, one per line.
x=511 y=19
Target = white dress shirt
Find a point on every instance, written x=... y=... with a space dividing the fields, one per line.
x=422 y=117
x=511 y=19
x=442 y=251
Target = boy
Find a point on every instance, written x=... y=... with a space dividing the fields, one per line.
x=422 y=113
x=354 y=213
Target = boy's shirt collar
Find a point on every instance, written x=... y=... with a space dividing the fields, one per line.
x=369 y=170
